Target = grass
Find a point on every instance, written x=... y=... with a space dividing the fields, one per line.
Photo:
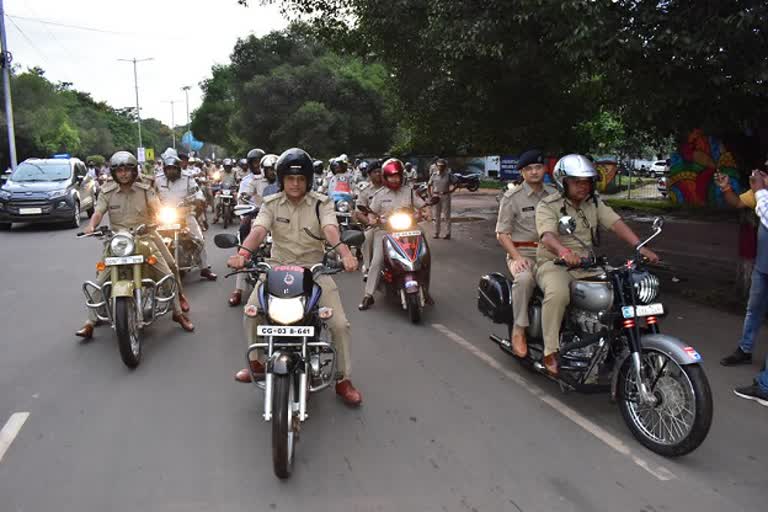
x=495 y=184
x=623 y=181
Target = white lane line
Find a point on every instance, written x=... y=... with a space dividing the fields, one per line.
x=11 y=430
x=600 y=433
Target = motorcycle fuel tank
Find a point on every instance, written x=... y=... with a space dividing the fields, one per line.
x=591 y=295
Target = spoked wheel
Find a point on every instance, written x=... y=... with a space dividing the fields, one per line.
x=283 y=431
x=679 y=421
x=414 y=307
x=128 y=337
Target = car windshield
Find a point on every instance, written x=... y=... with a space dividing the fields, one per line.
x=42 y=171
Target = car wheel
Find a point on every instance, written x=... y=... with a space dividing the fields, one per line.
x=75 y=222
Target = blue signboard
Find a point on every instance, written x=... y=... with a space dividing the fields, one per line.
x=508 y=168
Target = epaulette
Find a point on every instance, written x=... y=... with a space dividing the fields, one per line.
x=512 y=191
x=321 y=197
x=111 y=186
x=272 y=197
x=552 y=198
x=142 y=185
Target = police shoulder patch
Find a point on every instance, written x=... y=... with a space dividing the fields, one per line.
x=142 y=185
x=513 y=191
x=552 y=198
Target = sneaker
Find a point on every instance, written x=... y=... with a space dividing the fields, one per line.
x=738 y=357
x=753 y=392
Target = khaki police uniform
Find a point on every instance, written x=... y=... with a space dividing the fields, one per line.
x=384 y=202
x=517 y=218
x=228 y=180
x=291 y=245
x=128 y=210
x=555 y=281
x=441 y=186
x=364 y=198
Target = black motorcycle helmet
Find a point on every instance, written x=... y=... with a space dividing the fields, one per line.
x=295 y=162
x=255 y=154
x=318 y=166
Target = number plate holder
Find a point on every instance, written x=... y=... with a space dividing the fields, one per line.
x=403 y=234
x=124 y=260
x=30 y=211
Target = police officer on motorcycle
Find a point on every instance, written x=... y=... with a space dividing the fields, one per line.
x=576 y=178
x=130 y=203
x=364 y=199
x=173 y=188
x=228 y=180
x=286 y=215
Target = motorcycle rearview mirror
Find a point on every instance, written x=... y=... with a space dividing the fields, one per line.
x=658 y=223
x=566 y=225
x=353 y=238
x=225 y=241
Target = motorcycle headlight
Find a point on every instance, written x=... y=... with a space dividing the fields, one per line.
x=167 y=215
x=400 y=221
x=286 y=311
x=121 y=245
x=342 y=206
x=217 y=175
x=646 y=286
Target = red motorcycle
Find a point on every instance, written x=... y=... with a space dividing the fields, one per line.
x=407 y=261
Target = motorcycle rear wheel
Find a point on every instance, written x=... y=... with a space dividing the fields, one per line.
x=414 y=307
x=227 y=217
x=474 y=187
x=283 y=436
x=680 y=421
x=128 y=336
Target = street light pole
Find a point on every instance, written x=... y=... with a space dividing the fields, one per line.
x=186 y=89
x=136 y=84
x=173 y=121
x=6 y=64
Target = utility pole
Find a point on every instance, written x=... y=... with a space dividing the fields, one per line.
x=186 y=89
x=173 y=120
x=6 y=64
x=136 y=84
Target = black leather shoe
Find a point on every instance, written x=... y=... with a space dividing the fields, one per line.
x=367 y=303
x=738 y=357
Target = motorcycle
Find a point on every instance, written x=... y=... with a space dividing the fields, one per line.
x=470 y=182
x=226 y=205
x=175 y=234
x=656 y=379
x=407 y=260
x=301 y=359
x=129 y=300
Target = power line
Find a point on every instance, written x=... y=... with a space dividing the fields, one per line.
x=33 y=45
x=67 y=25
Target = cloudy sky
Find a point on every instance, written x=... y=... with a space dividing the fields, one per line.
x=81 y=41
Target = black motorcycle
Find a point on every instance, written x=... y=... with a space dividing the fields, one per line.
x=610 y=341
x=470 y=182
x=301 y=359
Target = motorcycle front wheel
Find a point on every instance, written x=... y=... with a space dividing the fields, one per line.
x=283 y=435
x=680 y=419
x=414 y=307
x=127 y=330
x=474 y=187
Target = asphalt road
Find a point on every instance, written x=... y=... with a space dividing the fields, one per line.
x=449 y=423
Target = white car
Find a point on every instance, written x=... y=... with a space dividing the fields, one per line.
x=659 y=168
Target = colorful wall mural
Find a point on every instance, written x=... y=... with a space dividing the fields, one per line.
x=607 y=182
x=692 y=170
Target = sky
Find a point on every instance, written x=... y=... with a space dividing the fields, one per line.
x=185 y=38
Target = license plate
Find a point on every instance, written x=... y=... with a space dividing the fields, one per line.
x=285 y=330
x=403 y=234
x=30 y=211
x=226 y=194
x=169 y=227
x=649 y=310
x=123 y=260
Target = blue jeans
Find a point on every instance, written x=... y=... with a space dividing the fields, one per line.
x=762 y=379
x=756 y=310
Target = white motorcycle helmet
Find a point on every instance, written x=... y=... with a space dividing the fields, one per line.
x=573 y=166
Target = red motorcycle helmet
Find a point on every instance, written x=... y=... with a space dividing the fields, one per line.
x=392 y=167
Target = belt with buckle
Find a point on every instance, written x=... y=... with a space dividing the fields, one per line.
x=526 y=244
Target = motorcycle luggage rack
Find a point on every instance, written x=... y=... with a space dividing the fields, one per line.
x=261 y=384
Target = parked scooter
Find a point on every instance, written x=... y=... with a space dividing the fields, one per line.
x=130 y=300
x=657 y=379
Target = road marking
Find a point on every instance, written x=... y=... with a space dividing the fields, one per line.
x=600 y=433
x=11 y=430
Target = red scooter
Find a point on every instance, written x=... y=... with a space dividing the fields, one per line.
x=407 y=261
